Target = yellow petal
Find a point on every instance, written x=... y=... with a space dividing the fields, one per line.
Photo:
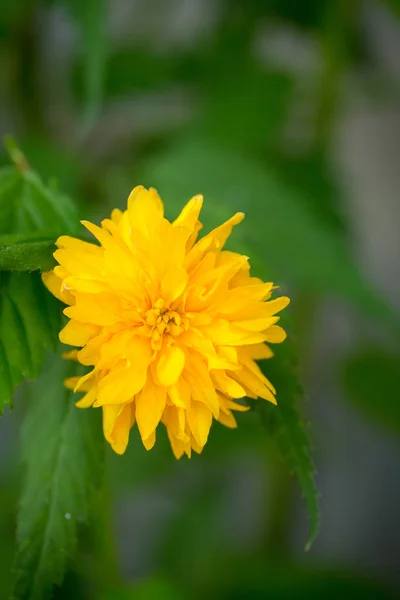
x=90 y=353
x=84 y=383
x=256 y=324
x=70 y=382
x=149 y=442
x=258 y=351
x=228 y=386
x=253 y=383
x=99 y=309
x=117 y=423
x=55 y=285
x=173 y=284
x=78 y=334
x=116 y=215
x=145 y=210
x=237 y=298
x=189 y=216
x=201 y=385
x=180 y=393
x=170 y=365
x=88 y=286
x=255 y=369
x=175 y=420
x=278 y=304
x=223 y=333
x=236 y=406
x=275 y=334
x=76 y=245
x=100 y=234
x=178 y=447
x=120 y=385
x=195 y=446
x=125 y=344
x=220 y=234
x=150 y=404
x=199 y=418
x=87 y=400
x=71 y=355
x=227 y=419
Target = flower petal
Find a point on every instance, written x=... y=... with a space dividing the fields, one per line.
x=120 y=385
x=145 y=210
x=117 y=423
x=199 y=418
x=173 y=284
x=170 y=365
x=275 y=334
x=150 y=404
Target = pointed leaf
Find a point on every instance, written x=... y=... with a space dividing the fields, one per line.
x=62 y=448
x=27 y=205
x=27 y=252
x=284 y=423
x=30 y=319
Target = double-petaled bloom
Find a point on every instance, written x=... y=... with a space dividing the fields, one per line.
x=171 y=325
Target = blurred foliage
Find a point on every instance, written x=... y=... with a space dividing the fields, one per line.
x=258 y=582
x=98 y=111
x=90 y=17
x=371 y=378
x=155 y=588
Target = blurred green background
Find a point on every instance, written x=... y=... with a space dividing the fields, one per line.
x=290 y=112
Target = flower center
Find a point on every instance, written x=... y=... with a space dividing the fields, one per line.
x=162 y=319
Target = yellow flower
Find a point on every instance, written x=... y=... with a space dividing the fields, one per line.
x=172 y=326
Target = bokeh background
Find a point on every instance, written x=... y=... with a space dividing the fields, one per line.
x=289 y=111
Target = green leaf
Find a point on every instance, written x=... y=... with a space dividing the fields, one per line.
x=307 y=14
x=285 y=425
x=62 y=448
x=258 y=106
x=91 y=18
x=27 y=252
x=312 y=176
x=27 y=205
x=30 y=319
x=394 y=5
x=371 y=380
x=280 y=231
